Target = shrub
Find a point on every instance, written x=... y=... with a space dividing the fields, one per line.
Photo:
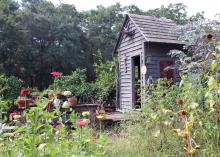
x=105 y=82
x=9 y=91
x=76 y=83
x=103 y=87
x=10 y=87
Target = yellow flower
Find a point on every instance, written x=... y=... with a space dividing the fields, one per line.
x=86 y=113
x=100 y=116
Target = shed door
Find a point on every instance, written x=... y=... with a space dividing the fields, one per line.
x=169 y=74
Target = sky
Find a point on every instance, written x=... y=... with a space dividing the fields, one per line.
x=210 y=7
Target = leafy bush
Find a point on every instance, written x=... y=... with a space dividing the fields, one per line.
x=101 y=88
x=76 y=83
x=10 y=87
x=105 y=82
x=9 y=91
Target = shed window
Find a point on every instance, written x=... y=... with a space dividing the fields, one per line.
x=164 y=73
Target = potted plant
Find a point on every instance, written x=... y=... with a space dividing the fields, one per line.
x=23 y=101
x=72 y=101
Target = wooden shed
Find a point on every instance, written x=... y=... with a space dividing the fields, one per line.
x=143 y=45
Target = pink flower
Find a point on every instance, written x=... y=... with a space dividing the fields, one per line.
x=57 y=126
x=55 y=74
x=13 y=114
x=81 y=122
x=24 y=92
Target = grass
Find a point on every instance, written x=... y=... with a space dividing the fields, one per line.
x=135 y=140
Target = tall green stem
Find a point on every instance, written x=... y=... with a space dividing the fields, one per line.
x=100 y=126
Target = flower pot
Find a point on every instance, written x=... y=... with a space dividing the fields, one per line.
x=50 y=106
x=72 y=101
x=23 y=103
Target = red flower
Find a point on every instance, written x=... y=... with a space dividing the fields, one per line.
x=55 y=74
x=13 y=114
x=24 y=92
x=81 y=122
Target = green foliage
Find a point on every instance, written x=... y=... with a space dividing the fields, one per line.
x=10 y=87
x=77 y=83
x=54 y=40
x=103 y=87
x=135 y=139
x=12 y=37
x=176 y=12
x=179 y=119
x=9 y=91
x=198 y=48
x=105 y=82
x=38 y=138
x=39 y=37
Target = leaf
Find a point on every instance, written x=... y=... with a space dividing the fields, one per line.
x=41 y=146
x=212 y=83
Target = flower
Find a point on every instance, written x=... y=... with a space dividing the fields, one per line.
x=66 y=105
x=24 y=92
x=100 y=116
x=55 y=74
x=81 y=122
x=57 y=126
x=194 y=105
x=86 y=113
x=13 y=114
x=67 y=93
x=56 y=102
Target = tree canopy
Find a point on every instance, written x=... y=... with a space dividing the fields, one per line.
x=38 y=37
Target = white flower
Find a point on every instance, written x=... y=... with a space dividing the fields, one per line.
x=67 y=93
x=66 y=105
x=56 y=102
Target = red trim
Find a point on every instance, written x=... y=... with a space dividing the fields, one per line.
x=169 y=74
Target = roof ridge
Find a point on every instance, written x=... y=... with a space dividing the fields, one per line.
x=146 y=38
x=154 y=17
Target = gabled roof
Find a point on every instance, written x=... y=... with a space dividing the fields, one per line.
x=153 y=29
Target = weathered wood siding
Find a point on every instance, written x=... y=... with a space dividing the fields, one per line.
x=129 y=47
x=154 y=53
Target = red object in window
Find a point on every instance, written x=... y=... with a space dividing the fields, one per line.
x=169 y=74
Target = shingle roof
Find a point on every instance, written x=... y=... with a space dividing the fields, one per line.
x=156 y=29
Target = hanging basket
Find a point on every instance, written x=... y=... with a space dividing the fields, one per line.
x=23 y=103
x=72 y=101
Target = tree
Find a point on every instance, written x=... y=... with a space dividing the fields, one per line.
x=101 y=26
x=54 y=40
x=176 y=12
x=12 y=37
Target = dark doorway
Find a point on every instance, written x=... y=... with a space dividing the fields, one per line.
x=136 y=82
